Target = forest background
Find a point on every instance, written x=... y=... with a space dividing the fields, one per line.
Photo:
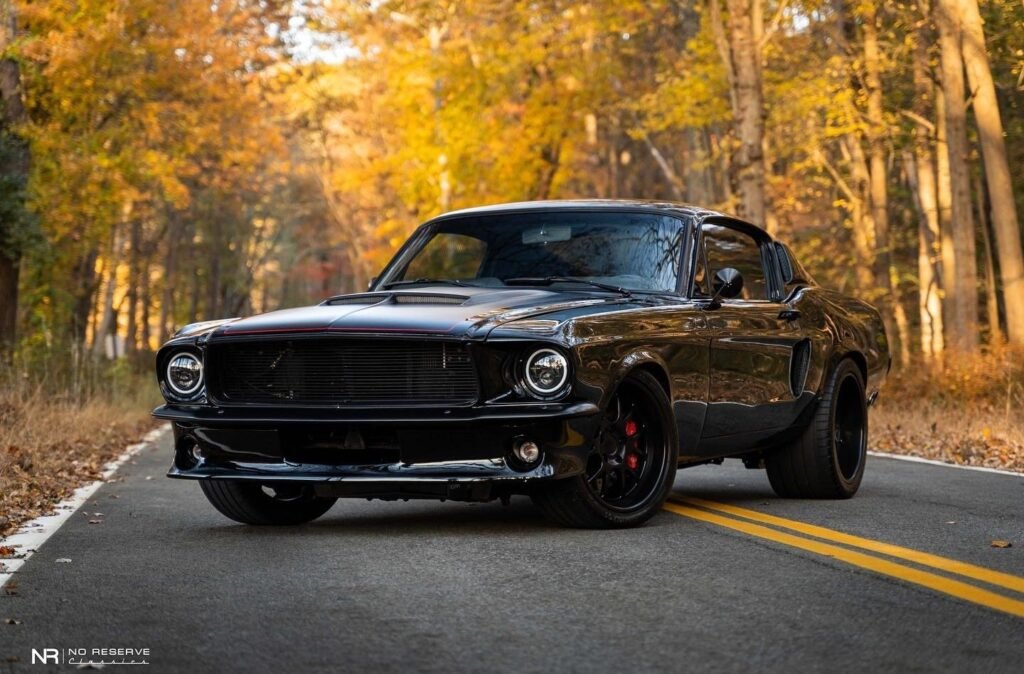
x=164 y=162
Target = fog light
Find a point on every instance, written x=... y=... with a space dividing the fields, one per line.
x=198 y=454
x=526 y=451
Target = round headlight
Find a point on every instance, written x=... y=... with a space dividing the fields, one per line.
x=546 y=372
x=184 y=374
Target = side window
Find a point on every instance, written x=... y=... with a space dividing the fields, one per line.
x=450 y=256
x=727 y=247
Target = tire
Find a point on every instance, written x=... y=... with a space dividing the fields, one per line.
x=250 y=503
x=630 y=469
x=827 y=460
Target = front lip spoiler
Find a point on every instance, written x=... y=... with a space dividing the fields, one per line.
x=219 y=416
x=449 y=472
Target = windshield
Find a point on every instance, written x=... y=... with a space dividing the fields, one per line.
x=634 y=251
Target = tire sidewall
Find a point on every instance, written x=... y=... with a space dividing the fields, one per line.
x=847 y=369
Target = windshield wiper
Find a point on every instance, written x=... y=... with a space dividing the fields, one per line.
x=424 y=279
x=548 y=280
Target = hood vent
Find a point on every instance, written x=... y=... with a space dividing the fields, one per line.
x=427 y=298
x=365 y=298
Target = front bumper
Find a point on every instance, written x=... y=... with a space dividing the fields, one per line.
x=459 y=454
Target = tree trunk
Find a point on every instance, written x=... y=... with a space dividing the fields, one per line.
x=742 y=56
x=165 y=328
x=13 y=171
x=698 y=176
x=85 y=283
x=132 y=328
x=921 y=174
x=944 y=199
x=144 y=332
x=921 y=179
x=997 y=170
x=878 y=181
x=962 y=285
x=863 y=219
x=105 y=324
x=995 y=331
x=675 y=185
x=877 y=178
x=9 y=266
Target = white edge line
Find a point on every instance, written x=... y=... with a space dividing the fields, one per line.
x=32 y=534
x=944 y=464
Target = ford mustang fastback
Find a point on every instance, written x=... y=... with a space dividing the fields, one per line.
x=577 y=352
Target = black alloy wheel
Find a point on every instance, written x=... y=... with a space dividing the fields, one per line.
x=631 y=467
x=628 y=454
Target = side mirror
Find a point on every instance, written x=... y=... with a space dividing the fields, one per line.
x=369 y=286
x=728 y=284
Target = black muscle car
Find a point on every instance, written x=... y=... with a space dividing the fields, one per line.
x=578 y=352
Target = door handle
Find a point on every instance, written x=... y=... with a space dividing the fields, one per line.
x=789 y=314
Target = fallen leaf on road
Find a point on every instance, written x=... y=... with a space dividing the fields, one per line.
x=6 y=551
x=1002 y=544
x=95 y=521
x=12 y=658
x=10 y=591
x=63 y=560
x=12 y=621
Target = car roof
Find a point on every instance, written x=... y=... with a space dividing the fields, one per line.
x=674 y=207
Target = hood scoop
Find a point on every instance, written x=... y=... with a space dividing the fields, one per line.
x=362 y=298
x=370 y=299
x=428 y=298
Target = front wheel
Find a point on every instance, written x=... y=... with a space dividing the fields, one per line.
x=827 y=460
x=273 y=503
x=631 y=466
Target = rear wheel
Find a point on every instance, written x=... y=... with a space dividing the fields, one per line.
x=827 y=460
x=273 y=503
x=630 y=469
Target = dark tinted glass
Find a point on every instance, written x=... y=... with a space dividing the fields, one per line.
x=726 y=247
x=701 y=282
x=635 y=251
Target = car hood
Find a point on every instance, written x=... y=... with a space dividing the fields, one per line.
x=444 y=311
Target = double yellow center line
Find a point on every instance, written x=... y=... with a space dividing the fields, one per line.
x=823 y=541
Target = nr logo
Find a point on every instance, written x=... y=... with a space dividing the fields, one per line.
x=47 y=656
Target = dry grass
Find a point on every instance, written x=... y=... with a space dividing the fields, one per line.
x=49 y=446
x=969 y=412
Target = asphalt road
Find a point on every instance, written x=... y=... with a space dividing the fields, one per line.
x=450 y=587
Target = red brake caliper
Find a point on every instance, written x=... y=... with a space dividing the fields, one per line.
x=632 y=459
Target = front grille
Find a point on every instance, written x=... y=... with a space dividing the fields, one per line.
x=341 y=371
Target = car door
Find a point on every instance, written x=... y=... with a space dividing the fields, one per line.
x=752 y=340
